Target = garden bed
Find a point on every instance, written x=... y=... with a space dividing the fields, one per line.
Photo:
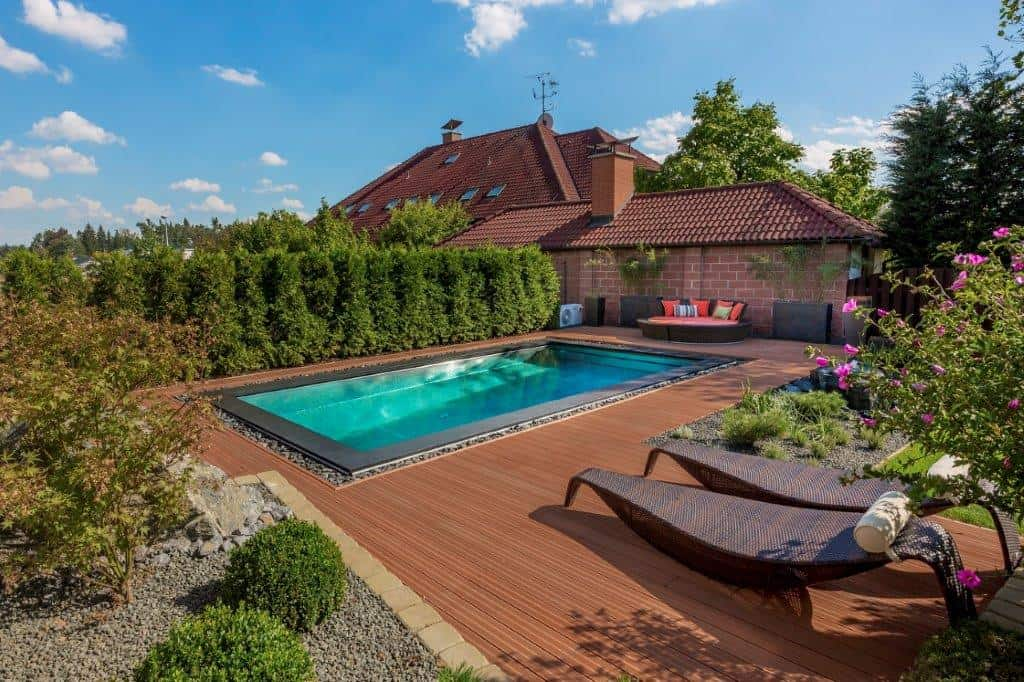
x=51 y=632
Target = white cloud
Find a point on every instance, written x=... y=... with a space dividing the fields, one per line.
x=584 y=48
x=851 y=131
x=817 y=155
x=851 y=125
x=22 y=62
x=494 y=24
x=15 y=197
x=293 y=204
x=85 y=208
x=659 y=136
x=213 y=204
x=74 y=128
x=267 y=186
x=272 y=159
x=76 y=23
x=631 y=11
x=51 y=203
x=145 y=207
x=785 y=133
x=246 y=77
x=195 y=185
x=40 y=162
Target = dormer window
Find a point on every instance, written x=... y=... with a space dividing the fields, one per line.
x=434 y=197
x=364 y=208
x=451 y=158
x=390 y=206
x=495 y=192
x=468 y=194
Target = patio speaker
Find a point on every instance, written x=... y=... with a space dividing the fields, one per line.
x=570 y=315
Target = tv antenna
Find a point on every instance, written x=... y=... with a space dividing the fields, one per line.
x=548 y=90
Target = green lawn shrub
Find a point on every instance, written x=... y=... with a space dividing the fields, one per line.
x=743 y=428
x=291 y=570
x=228 y=644
x=973 y=652
x=817 y=405
x=772 y=449
x=29 y=276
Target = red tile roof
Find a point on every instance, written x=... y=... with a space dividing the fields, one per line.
x=757 y=213
x=534 y=163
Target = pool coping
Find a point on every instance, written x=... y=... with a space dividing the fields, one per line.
x=422 y=620
x=350 y=461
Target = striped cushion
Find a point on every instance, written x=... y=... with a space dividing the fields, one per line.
x=686 y=311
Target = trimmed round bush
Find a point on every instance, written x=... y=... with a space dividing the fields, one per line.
x=291 y=570
x=227 y=644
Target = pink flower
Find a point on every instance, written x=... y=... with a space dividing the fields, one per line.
x=895 y=383
x=843 y=370
x=940 y=330
x=850 y=306
x=1007 y=464
x=1013 y=404
x=969 y=259
x=968 y=578
x=919 y=386
x=1017 y=263
x=869 y=422
x=961 y=281
x=1001 y=232
x=947 y=305
x=822 y=361
x=939 y=370
x=882 y=312
x=1019 y=279
x=851 y=350
x=928 y=418
x=904 y=371
x=843 y=384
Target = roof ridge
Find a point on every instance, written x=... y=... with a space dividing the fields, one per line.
x=830 y=211
x=557 y=162
x=712 y=188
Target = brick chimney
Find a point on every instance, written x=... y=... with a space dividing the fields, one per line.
x=611 y=168
x=451 y=131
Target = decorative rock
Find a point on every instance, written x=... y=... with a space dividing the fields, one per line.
x=208 y=548
x=140 y=553
x=804 y=385
x=223 y=504
x=177 y=544
x=267 y=519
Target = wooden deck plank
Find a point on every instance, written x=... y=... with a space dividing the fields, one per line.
x=549 y=593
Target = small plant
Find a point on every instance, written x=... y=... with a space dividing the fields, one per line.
x=463 y=673
x=818 y=405
x=683 y=432
x=973 y=651
x=818 y=449
x=799 y=437
x=772 y=449
x=226 y=644
x=874 y=438
x=292 y=570
x=830 y=432
x=759 y=403
x=743 y=428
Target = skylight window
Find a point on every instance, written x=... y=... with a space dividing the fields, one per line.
x=495 y=191
x=411 y=200
x=468 y=194
x=434 y=196
x=391 y=204
x=349 y=209
x=451 y=158
x=365 y=207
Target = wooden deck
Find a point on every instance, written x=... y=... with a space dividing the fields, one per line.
x=550 y=593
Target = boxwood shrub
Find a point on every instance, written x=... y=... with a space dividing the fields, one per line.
x=292 y=570
x=228 y=644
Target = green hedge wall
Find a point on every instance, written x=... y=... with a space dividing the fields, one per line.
x=280 y=308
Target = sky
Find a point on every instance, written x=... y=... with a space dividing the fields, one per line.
x=112 y=111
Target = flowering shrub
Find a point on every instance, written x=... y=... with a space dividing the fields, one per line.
x=954 y=381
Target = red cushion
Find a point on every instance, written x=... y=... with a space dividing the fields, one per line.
x=670 y=306
x=737 y=310
x=702 y=307
x=690 y=321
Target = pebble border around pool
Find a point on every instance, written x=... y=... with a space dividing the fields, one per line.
x=438 y=636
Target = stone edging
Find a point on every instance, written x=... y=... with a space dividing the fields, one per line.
x=1007 y=608
x=438 y=636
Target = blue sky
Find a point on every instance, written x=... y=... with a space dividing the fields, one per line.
x=113 y=110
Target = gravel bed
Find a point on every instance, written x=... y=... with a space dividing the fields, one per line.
x=48 y=631
x=335 y=477
x=852 y=456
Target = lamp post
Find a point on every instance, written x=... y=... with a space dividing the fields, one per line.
x=163 y=221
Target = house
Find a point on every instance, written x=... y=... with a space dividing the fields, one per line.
x=708 y=236
x=488 y=173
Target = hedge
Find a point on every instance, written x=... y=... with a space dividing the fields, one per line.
x=280 y=307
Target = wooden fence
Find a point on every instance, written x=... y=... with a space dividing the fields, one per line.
x=899 y=299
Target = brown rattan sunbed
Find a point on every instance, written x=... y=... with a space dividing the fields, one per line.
x=770 y=546
x=802 y=485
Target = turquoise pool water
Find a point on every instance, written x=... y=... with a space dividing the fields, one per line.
x=379 y=410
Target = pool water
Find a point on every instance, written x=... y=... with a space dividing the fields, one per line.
x=370 y=412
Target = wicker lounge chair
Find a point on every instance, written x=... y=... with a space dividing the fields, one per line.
x=770 y=546
x=801 y=485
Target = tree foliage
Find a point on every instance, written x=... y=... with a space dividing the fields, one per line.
x=958 y=163
x=1011 y=27
x=848 y=183
x=423 y=224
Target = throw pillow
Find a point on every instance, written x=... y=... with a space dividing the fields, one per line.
x=686 y=310
x=737 y=311
x=702 y=307
x=882 y=522
x=722 y=312
x=669 y=305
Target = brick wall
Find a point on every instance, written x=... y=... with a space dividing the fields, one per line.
x=695 y=272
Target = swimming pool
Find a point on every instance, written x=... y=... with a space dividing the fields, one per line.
x=360 y=419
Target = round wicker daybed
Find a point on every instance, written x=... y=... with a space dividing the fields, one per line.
x=694 y=329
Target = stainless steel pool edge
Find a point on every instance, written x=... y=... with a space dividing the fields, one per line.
x=358 y=462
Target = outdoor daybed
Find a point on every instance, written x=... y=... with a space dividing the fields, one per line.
x=757 y=544
x=701 y=329
x=802 y=485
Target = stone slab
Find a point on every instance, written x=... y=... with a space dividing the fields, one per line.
x=438 y=636
x=463 y=653
x=420 y=616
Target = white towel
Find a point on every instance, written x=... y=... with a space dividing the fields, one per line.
x=882 y=523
